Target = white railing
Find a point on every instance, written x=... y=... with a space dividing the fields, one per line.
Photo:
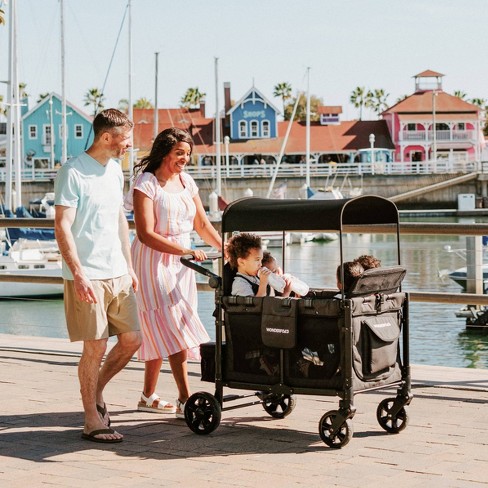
x=441 y=135
x=441 y=166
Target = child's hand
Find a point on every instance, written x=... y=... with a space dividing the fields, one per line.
x=264 y=275
x=287 y=290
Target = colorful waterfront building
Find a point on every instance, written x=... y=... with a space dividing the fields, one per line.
x=42 y=133
x=431 y=124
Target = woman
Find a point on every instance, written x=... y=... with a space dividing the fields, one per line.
x=167 y=208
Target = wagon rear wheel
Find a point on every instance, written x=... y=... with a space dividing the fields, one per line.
x=202 y=413
x=391 y=423
x=279 y=406
x=341 y=437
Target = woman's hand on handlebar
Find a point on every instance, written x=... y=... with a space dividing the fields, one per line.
x=198 y=255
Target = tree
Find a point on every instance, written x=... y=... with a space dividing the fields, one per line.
x=42 y=96
x=483 y=104
x=3 y=109
x=377 y=100
x=282 y=90
x=22 y=92
x=192 y=98
x=143 y=103
x=401 y=98
x=301 y=113
x=361 y=98
x=460 y=94
x=2 y=17
x=95 y=97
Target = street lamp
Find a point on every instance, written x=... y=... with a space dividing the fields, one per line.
x=434 y=132
x=226 y=145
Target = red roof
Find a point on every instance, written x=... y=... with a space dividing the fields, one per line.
x=421 y=102
x=428 y=74
x=344 y=137
x=329 y=109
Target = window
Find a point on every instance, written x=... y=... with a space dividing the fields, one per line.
x=242 y=128
x=78 y=131
x=254 y=128
x=46 y=137
x=265 y=128
x=461 y=126
x=411 y=126
x=32 y=131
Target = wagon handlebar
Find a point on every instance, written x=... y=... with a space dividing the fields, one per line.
x=189 y=261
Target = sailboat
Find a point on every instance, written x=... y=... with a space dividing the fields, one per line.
x=22 y=254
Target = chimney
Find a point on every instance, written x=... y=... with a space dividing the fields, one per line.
x=227 y=103
x=202 y=107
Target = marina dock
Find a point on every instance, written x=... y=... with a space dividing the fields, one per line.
x=444 y=445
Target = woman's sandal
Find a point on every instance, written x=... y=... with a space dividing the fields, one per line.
x=154 y=404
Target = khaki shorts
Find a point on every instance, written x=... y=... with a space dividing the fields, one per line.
x=114 y=313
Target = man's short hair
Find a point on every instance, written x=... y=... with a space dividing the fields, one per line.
x=110 y=119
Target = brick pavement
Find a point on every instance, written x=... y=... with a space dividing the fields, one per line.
x=444 y=445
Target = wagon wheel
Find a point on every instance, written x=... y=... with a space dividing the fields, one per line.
x=391 y=423
x=341 y=437
x=279 y=406
x=202 y=413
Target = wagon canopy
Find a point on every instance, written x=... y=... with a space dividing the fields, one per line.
x=258 y=214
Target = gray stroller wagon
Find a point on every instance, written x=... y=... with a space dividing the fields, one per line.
x=320 y=344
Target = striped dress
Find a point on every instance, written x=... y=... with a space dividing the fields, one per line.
x=167 y=295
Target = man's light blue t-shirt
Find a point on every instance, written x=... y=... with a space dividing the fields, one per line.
x=96 y=191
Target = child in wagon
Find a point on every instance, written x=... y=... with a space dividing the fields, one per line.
x=245 y=255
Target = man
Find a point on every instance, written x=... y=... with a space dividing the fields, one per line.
x=93 y=237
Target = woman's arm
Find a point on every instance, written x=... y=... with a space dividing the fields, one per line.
x=145 y=225
x=204 y=227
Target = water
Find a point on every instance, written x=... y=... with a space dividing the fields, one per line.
x=437 y=337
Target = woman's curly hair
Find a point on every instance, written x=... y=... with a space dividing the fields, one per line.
x=239 y=245
x=164 y=142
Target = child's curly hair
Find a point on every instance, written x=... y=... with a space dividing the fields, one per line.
x=239 y=245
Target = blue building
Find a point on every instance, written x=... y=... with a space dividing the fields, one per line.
x=42 y=130
x=253 y=117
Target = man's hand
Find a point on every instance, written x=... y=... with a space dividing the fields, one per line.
x=135 y=280
x=84 y=289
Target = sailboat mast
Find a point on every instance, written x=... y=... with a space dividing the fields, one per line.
x=64 y=137
x=307 y=136
x=156 y=113
x=9 y=148
x=15 y=108
x=217 y=130
x=131 y=112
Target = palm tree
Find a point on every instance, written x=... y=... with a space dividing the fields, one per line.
x=95 y=97
x=143 y=103
x=192 y=98
x=401 y=98
x=460 y=94
x=42 y=96
x=479 y=102
x=377 y=100
x=3 y=110
x=22 y=92
x=283 y=90
x=360 y=98
x=2 y=17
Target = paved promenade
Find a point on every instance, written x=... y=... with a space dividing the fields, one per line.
x=444 y=445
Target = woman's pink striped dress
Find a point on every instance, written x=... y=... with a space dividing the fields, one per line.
x=167 y=296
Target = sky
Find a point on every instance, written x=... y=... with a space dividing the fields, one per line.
x=346 y=43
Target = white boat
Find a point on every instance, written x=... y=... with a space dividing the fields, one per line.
x=25 y=257
x=460 y=276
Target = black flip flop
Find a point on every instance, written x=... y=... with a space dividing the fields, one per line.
x=91 y=436
x=103 y=411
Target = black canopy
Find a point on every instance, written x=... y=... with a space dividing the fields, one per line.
x=261 y=214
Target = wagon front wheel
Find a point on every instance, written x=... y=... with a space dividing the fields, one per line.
x=392 y=423
x=279 y=406
x=202 y=413
x=341 y=437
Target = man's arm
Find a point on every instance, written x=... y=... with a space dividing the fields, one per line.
x=125 y=243
x=63 y=221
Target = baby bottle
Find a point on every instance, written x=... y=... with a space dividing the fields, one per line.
x=298 y=286
x=276 y=282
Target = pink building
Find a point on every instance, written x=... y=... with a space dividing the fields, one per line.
x=458 y=124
